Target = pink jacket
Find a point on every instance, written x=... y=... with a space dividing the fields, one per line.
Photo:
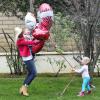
x=23 y=46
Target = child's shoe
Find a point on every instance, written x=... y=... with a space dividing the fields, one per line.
x=89 y=92
x=81 y=94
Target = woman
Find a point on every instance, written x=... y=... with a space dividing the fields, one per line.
x=24 y=42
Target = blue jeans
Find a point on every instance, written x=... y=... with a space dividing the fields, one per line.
x=30 y=66
x=85 y=84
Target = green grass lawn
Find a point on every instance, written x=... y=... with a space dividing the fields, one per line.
x=46 y=88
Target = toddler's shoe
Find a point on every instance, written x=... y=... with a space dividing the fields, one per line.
x=89 y=92
x=81 y=94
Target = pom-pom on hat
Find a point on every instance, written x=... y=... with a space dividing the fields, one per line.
x=30 y=21
x=44 y=11
x=44 y=7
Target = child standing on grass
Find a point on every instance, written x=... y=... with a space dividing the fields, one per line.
x=85 y=76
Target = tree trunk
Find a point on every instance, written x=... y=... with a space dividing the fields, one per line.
x=31 y=5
